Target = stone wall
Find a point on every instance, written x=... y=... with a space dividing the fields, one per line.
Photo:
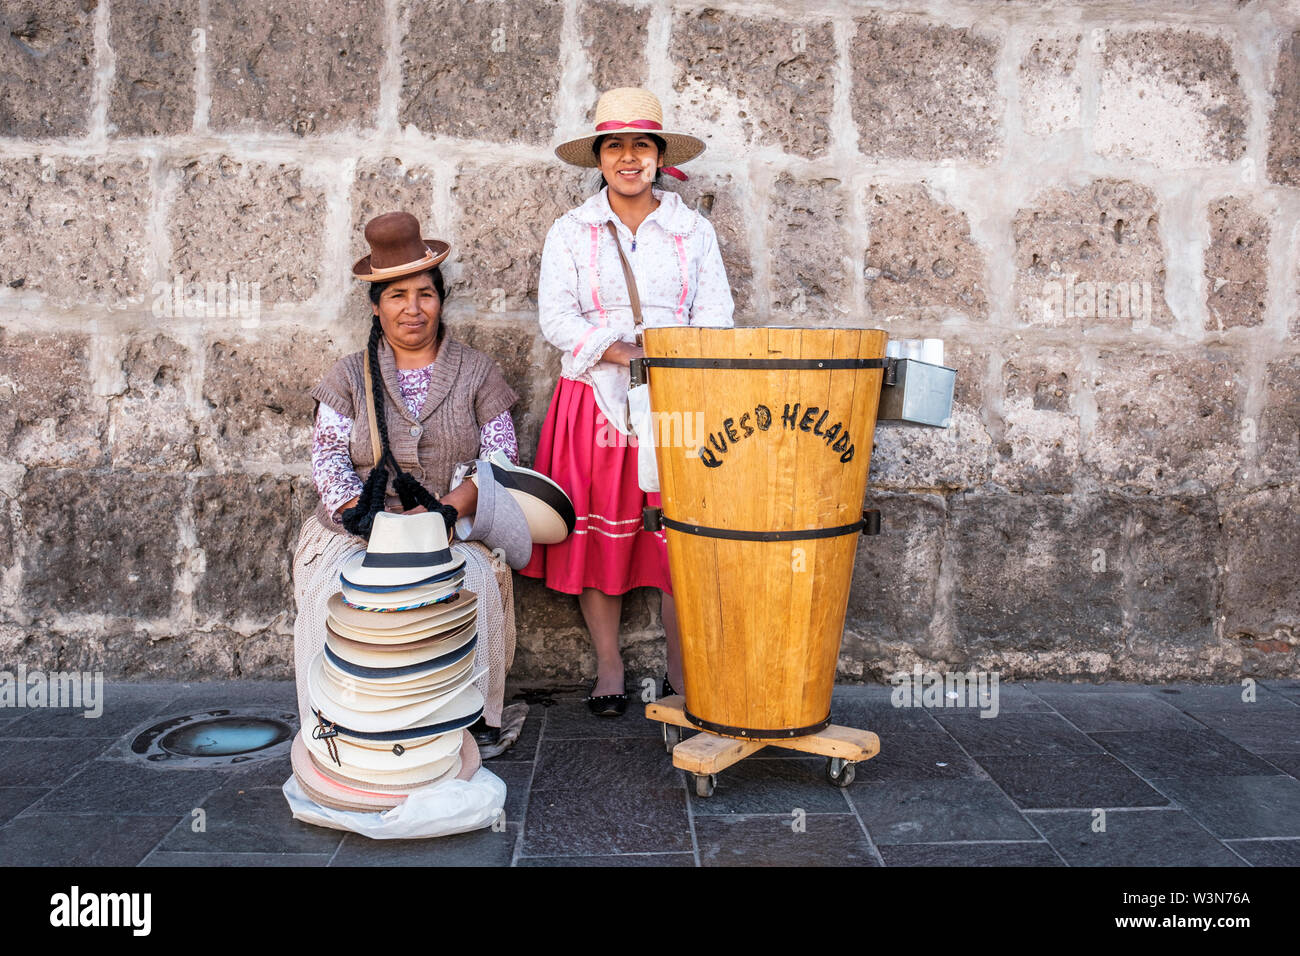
x=1094 y=203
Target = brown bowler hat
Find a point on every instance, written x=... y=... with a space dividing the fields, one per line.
x=396 y=249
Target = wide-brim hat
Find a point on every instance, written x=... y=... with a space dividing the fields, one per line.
x=403 y=550
x=390 y=759
x=399 y=627
x=396 y=249
x=498 y=521
x=457 y=713
x=631 y=110
x=329 y=793
x=547 y=509
x=398 y=781
x=405 y=599
x=400 y=718
x=399 y=672
x=398 y=655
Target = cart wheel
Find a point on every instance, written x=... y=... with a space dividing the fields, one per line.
x=704 y=784
x=839 y=771
x=672 y=736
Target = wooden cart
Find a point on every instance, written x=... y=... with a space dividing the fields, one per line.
x=707 y=754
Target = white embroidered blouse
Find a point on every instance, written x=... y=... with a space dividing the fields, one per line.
x=583 y=304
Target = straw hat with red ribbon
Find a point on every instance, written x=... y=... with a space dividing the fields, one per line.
x=632 y=110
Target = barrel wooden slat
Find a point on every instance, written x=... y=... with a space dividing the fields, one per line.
x=761 y=620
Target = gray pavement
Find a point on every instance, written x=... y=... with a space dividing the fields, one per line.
x=1065 y=775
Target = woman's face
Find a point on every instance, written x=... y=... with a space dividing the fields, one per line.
x=409 y=311
x=628 y=161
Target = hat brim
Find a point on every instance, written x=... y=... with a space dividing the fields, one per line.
x=678 y=147
x=386 y=759
x=437 y=249
x=547 y=509
x=411 y=599
x=400 y=627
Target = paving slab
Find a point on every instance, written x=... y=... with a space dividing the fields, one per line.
x=1236 y=807
x=938 y=811
x=486 y=847
x=235 y=820
x=1176 y=753
x=72 y=839
x=828 y=839
x=1018 y=734
x=1132 y=838
x=1090 y=712
x=772 y=786
x=1070 y=781
x=1274 y=730
x=633 y=763
x=971 y=854
x=111 y=786
x=917 y=757
x=1268 y=852
x=597 y=822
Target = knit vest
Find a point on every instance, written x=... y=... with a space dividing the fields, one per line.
x=466 y=391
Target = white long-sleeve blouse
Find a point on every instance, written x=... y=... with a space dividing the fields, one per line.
x=583 y=303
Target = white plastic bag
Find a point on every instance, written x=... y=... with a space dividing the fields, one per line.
x=451 y=806
x=647 y=468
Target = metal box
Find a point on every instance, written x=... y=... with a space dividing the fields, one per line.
x=917 y=392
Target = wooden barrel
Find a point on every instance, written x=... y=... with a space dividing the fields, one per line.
x=763 y=522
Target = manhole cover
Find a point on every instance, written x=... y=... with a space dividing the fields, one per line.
x=216 y=738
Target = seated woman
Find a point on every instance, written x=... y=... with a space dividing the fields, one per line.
x=437 y=404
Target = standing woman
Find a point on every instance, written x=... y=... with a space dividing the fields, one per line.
x=586 y=311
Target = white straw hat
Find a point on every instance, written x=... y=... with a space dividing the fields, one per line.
x=631 y=110
x=403 y=550
x=399 y=627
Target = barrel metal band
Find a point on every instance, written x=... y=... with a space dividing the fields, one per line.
x=762 y=364
x=749 y=732
x=800 y=535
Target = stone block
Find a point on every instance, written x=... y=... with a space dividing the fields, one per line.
x=74 y=230
x=1039 y=451
x=1278 y=431
x=919 y=457
x=49 y=414
x=253 y=222
x=750 y=81
x=502 y=216
x=920 y=258
x=721 y=200
x=258 y=392
x=50 y=38
x=530 y=364
x=150 y=423
x=924 y=91
x=1261 y=583
x=614 y=36
x=1236 y=264
x=1166 y=422
x=154 y=65
x=895 y=583
x=1284 y=122
x=99 y=542
x=1170 y=97
x=244 y=526
x=301 y=66
x=389 y=185
x=1169 y=577
x=1051 y=96
x=512 y=50
x=1091 y=257
x=815 y=286
x=1027 y=581
x=266 y=655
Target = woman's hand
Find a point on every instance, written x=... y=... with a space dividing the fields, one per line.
x=622 y=353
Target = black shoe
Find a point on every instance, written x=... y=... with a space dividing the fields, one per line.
x=668 y=688
x=607 y=705
x=485 y=735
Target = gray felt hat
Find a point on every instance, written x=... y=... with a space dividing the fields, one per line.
x=498 y=522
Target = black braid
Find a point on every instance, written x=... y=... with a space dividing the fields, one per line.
x=359 y=520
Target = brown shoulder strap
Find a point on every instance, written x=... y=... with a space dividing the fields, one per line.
x=627 y=275
x=370 y=412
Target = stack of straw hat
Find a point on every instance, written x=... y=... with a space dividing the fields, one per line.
x=393 y=690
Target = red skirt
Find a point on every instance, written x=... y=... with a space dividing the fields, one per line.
x=609 y=550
